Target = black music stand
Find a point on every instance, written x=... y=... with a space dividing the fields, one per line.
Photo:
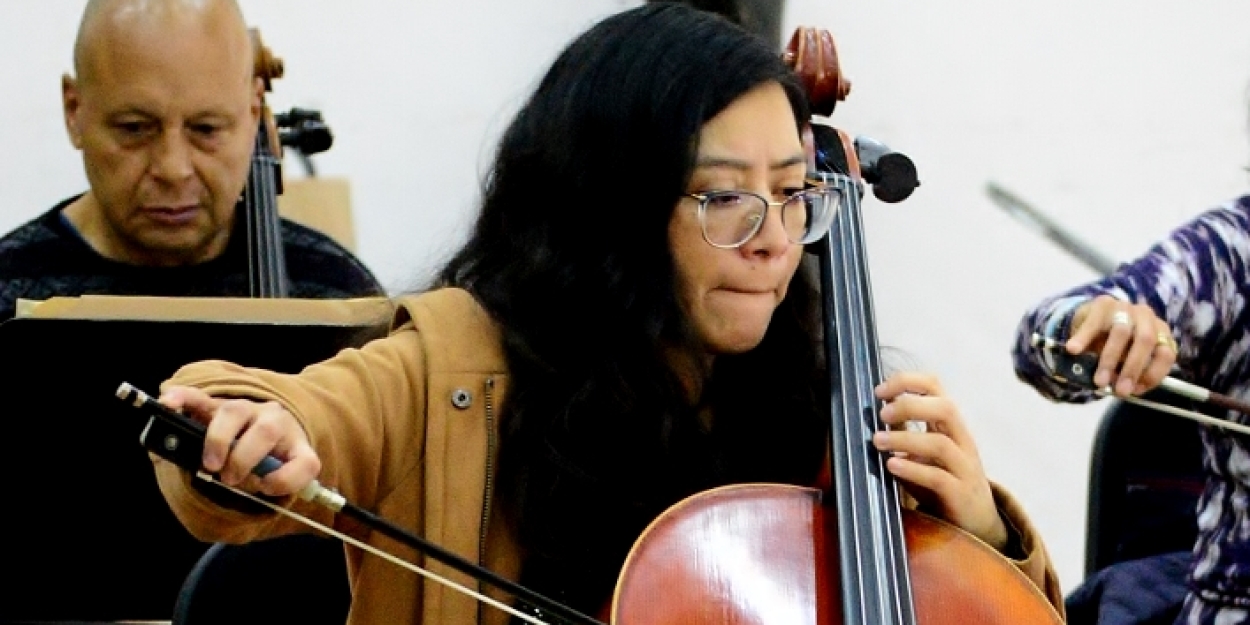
x=88 y=536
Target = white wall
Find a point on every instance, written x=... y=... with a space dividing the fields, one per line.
x=1120 y=118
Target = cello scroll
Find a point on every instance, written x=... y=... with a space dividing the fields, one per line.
x=812 y=55
x=814 y=58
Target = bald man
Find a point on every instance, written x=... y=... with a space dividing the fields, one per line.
x=164 y=108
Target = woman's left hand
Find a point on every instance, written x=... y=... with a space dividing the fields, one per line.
x=940 y=466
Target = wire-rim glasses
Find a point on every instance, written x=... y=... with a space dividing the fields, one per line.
x=731 y=218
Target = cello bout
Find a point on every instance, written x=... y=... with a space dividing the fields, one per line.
x=767 y=554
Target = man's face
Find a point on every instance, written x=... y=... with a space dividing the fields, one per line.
x=166 y=123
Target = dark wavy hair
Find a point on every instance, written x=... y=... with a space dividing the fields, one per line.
x=571 y=256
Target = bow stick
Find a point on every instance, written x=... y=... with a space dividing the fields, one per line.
x=179 y=439
x=1079 y=370
x=1037 y=221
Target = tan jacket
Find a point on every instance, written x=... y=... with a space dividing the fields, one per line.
x=407 y=427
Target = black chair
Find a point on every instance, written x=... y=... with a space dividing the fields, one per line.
x=1146 y=476
x=293 y=579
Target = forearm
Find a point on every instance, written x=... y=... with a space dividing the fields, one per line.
x=361 y=404
x=1194 y=281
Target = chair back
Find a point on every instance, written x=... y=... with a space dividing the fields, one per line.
x=1146 y=475
x=300 y=578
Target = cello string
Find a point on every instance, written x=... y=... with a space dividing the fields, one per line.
x=268 y=211
x=860 y=498
x=845 y=436
x=883 y=585
x=264 y=226
x=255 y=236
x=393 y=559
x=894 y=543
x=264 y=209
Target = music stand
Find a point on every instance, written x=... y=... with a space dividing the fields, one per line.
x=88 y=536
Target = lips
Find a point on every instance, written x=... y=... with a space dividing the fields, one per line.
x=172 y=215
x=742 y=291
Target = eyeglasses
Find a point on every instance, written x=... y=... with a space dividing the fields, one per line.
x=731 y=218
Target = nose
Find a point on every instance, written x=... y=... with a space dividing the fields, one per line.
x=771 y=239
x=171 y=158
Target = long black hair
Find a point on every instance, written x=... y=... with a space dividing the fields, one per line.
x=571 y=256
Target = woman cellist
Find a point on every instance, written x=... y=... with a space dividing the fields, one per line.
x=629 y=324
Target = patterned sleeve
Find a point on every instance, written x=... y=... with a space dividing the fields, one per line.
x=1193 y=279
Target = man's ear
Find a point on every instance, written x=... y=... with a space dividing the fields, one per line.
x=71 y=104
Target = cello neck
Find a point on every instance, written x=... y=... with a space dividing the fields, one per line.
x=876 y=584
x=266 y=261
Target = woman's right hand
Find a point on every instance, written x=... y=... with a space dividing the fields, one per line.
x=241 y=433
x=1136 y=349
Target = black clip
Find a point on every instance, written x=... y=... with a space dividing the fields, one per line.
x=1075 y=370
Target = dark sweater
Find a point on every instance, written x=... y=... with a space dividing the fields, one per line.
x=47 y=257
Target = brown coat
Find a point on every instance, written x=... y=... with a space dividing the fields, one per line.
x=407 y=427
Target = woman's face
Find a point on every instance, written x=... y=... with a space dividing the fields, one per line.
x=729 y=295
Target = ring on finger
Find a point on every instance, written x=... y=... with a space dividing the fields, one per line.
x=1121 y=317
x=1166 y=340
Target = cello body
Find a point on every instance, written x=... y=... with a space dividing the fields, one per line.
x=767 y=554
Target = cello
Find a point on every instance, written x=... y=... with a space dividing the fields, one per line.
x=848 y=552
x=301 y=129
x=266 y=261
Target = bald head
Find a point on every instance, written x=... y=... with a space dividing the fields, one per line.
x=164 y=108
x=112 y=22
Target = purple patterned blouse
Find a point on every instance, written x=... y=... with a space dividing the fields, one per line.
x=1197 y=280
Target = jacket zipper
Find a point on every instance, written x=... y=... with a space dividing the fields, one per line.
x=489 y=399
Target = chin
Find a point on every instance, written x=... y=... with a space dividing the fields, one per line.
x=731 y=345
x=181 y=249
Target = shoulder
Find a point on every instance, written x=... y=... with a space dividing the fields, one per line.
x=302 y=237
x=40 y=258
x=1228 y=221
x=1240 y=204
x=455 y=329
x=1219 y=237
x=320 y=267
x=36 y=233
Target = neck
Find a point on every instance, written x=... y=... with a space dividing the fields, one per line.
x=691 y=370
x=87 y=216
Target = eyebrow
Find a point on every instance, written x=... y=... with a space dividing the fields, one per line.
x=733 y=163
x=130 y=111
